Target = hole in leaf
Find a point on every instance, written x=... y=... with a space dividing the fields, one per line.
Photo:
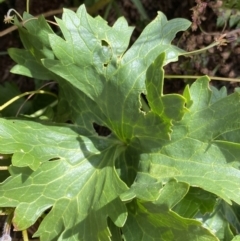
x=144 y=103
x=54 y=159
x=101 y=130
x=104 y=43
x=105 y=65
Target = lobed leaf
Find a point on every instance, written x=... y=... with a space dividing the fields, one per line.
x=196 y=153
x=74 y=175
x=155 y=221
x=159 y=144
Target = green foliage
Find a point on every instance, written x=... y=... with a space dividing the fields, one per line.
x=169 y=169
x=231 y=4
x=140 y=9
x=229 y=13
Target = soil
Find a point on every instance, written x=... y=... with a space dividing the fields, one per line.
x=222 y=62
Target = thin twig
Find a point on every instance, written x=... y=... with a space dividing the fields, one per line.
x=227 y=35
x=198 y=76
x=91 y=10
x=45 y=15
x=24 y=94
x=30 y=96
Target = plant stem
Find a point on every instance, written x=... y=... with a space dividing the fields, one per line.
x=25 y=235
x=13 y=10
x=198 y=51
x=27 y=6
x=30 y=19
x=24 y=94
x=198 y=76
x=93 y=9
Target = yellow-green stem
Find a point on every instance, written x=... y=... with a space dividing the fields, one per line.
x=30 y=19
x=198 y=51
x=27 y=6
x=198 y=76
x=24 y=94
x=25 y=235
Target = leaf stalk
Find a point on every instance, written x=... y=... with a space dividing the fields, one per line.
x=24 y=94
x=198 y=76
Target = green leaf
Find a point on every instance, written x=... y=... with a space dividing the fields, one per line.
x=217 y=94
x=231 y=216
x=236 y=238
x=37 y=47
x=158 y=145
x=28 y=65
x=155 y=39
x=195 y=155
x=67 y=180
x=108 y=61
x=216 y=221
x=169 y=106
x=197 y=200
x=155 y=221
x=112 y=68
x=115 y=231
